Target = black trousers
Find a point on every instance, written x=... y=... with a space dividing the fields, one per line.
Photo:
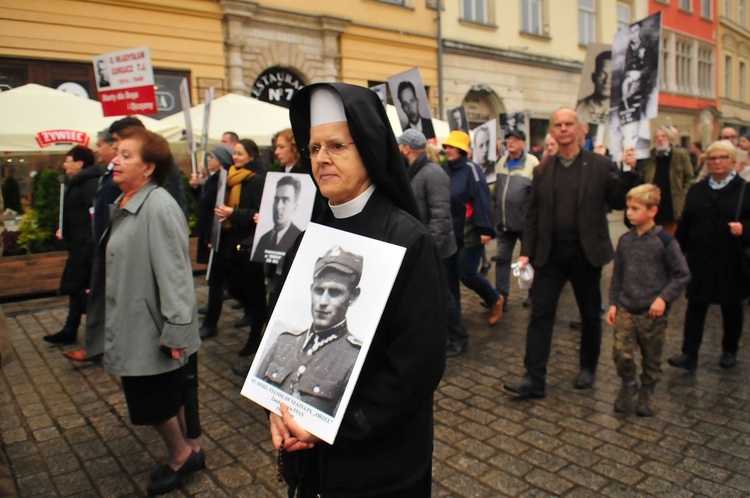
x=567 y=263
x=220 y=268
x=695 y=318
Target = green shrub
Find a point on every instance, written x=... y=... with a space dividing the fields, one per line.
x=47 y=200
x=32 y=237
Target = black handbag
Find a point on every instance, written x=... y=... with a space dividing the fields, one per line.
x=744 y=251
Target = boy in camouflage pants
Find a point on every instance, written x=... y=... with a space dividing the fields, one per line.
x=650 y=273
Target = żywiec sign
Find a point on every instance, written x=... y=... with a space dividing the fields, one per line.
x=277 y=86
x=55 y=137
x=125 y=82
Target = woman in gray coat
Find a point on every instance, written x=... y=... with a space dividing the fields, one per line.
x=150 y=314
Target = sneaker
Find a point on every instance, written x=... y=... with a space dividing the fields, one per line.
x=625 y=398
x=646 y=402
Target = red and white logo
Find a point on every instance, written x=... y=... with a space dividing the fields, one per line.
x=56 y=137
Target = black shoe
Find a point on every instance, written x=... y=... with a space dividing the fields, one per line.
x=250 y=349
x=207 y=332
x=527 y=388
x=245 y=321
x=203 y=310
x=684 y=361
x=201 y=465
x=485 y=269
x=166 y=479
x=585 y=379
x=241 y=369
x=574 y=325
x=728 y=360
x=62 y=337
x=527 y=302
x=454 y=350
x=237 y=306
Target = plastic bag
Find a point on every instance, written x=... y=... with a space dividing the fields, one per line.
x=525 y=277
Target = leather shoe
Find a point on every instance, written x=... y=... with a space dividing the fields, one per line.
x=454 y=350
x=201 y=465
x=585 y=379
x=496 y=312
x=62 y=337
x=237 y=306
x=527 y=388
x=684 y=361
x=166 y=479
x=245 y=321
x=203 y=310
x=728 y=360
x=241 y=369
x=80 y=355
x=206 y=332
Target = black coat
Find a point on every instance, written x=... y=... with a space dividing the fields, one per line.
x=206 y=204
x=712 y=252
x=77 y=229
x=243 y=226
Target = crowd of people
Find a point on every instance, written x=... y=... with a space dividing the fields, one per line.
x=129 y=269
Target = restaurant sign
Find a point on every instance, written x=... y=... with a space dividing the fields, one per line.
x=62 y=137
x=277 y=86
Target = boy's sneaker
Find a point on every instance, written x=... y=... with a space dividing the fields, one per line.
x=626 y=397
x=646 y=402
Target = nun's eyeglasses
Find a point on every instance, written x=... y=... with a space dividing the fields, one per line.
x=333 y=150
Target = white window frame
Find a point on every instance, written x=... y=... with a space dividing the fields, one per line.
x=474 y=11
x=586 y=22
x=741 y=13
x=683 y=64
x=707 y=9
x=686 y=5
x=706 y=71
x=728 y=77
x=621 y=21
x=741 y=81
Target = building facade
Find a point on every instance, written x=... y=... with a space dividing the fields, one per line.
x=687 y=86
x=52 y=43
x=734 y=58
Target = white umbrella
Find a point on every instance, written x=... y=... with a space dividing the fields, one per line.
x=246 y=116
x=38 y=118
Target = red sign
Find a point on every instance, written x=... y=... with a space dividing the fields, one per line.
x=138 y=100
x=55 y=137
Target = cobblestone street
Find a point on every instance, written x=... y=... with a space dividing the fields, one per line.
x=66 y=431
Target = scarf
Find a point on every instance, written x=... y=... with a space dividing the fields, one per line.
x=235 y=178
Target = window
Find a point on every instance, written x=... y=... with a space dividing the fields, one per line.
x=403 y=3
x=728 y=77
x=706 y=71
x=666 y=60
x=686 y=5
x=586 y=22
x=743 y=69
x=474 y=11
x=624 y=16
x=531 y=16
x=683 y=64
x=727 y=9
x=706 y=9
x=741 y=12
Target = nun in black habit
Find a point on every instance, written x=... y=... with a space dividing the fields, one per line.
x=384 y=445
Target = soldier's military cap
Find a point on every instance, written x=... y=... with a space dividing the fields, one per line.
x=340 y=260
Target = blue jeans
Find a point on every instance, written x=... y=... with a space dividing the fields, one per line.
x=468 y=263
x=457 y=333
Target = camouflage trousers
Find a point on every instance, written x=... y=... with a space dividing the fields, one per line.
x=646 y=333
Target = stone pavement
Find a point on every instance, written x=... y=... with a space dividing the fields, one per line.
x=65 y=427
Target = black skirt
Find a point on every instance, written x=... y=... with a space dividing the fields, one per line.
x=153 y=399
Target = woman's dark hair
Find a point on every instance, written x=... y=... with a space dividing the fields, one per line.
x=250 y=147
x=81 y=153
x=154 y=149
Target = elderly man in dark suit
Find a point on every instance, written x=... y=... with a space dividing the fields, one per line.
x=566 y=237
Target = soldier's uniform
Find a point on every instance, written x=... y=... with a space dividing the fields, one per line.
x=313 y=367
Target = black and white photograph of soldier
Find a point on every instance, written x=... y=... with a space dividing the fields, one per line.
x=382 y=91
x=635 y=83
x=322 y=326
x=484 y=152
x=513 y=121
x=457 y=119
x=593 y=92
x=101 y=67
x=314 y=365
x=409 y=96
x=285 y=211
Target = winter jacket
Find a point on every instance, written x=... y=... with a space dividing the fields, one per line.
x=470 y=198
x=512 y=192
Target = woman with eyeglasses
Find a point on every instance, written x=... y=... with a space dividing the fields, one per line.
x=82 y=179
x=246 y=278
x=712 y=238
